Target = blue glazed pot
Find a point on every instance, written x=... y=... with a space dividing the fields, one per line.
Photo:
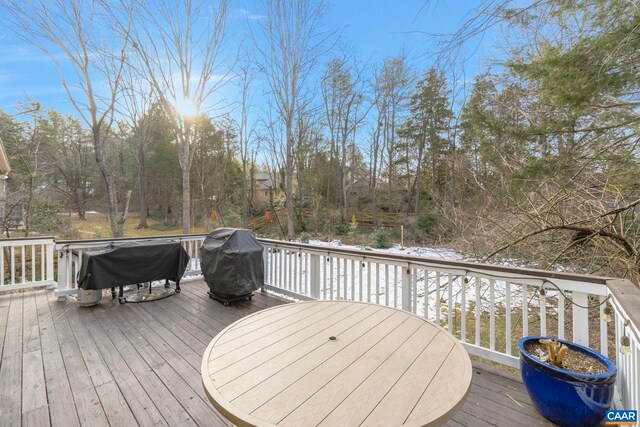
x=567 y=398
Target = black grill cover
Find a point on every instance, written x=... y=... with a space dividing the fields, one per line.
x=132 y=262
x=232 y=262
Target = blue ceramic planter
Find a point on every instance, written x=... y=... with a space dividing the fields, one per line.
x=564 y=397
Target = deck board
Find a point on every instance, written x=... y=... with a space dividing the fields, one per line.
x=139 y=364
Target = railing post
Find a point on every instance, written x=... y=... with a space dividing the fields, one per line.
x=314 y=276
x=50 y=264
x=63 y=275
x=406 y=288
x=580 y=318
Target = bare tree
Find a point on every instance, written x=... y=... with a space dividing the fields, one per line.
x=179 y=44
x=70 y=154
x=343 y=94
x=380 y=110
x=80 y=33
x=290 y=45
x=396 y=78
x=136 y=103
x=246 y=132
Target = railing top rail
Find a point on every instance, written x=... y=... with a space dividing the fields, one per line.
x=15 y=239
x=627 y=295
x=463 y=265
x=130 y=239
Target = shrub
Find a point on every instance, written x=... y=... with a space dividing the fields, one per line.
x=380 y=238
x=304 y=237
x=427 y=221
x=49 y=217
x=326 y=228
x=353 y=227
x=340 y=229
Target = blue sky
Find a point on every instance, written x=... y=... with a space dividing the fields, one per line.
x=375 y=29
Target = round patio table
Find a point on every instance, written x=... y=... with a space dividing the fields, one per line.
x=335 y=363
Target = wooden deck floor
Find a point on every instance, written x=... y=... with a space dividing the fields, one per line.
x=122 y=365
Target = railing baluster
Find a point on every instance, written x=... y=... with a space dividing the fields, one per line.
x=265 y=263
x=289 y=263
x=304 y=272
x=395 y=286
x=560 y=315
x=386 y=284
x=361 y=280
x=542 y=303
x=580 y=318
x=478 y=284
x=2 y=266
x=425 y=274
x=604 y=341
x=369 y=281
x=377 y=282
x=492 y=315
x=345 y=282
x=438 y=299
x=322 y=267
x=43 y=263
x=463 y=310
x=353 y=283
x=507 y=309
x=331 y=280
x=296 y=269
x=282 y=267
x=338 y=289
x=13 y=265
x=414 y=290
x=33 y=263
x=525 y=311
x=406 y=288
x=450 y=303
x=23 y=264
x=278 y=280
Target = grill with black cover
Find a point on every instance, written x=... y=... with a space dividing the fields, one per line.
x=232 y=264
x=130 y=263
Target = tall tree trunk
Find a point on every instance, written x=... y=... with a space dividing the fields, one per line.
x=185 y=166
x=415 y=191
x=112 y=199
x=392 y=149
x=343 y=177
x=80 y=204
x=245 y=192
x=288 y=187
x=374 y=175
x=141 y=187
x=27 y=215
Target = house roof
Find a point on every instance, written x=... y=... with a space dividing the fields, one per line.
x=263 y=181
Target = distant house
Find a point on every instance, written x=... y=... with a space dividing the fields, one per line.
x=5 y=168
x=263 y=188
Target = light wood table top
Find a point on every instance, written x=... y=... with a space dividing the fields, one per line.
x=336 y=363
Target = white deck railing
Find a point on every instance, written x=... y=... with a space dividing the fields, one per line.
x=26 y=263
x=488 y=307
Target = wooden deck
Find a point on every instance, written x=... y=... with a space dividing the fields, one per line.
x=122 y=365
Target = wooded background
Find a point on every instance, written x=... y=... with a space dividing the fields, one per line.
x=535 y=159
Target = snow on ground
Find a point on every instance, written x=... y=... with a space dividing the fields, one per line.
x=427 y=252
x=433 y=292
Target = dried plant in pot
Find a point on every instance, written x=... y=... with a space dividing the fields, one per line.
x=569 y=384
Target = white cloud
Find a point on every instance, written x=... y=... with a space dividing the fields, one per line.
x=244 y=13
